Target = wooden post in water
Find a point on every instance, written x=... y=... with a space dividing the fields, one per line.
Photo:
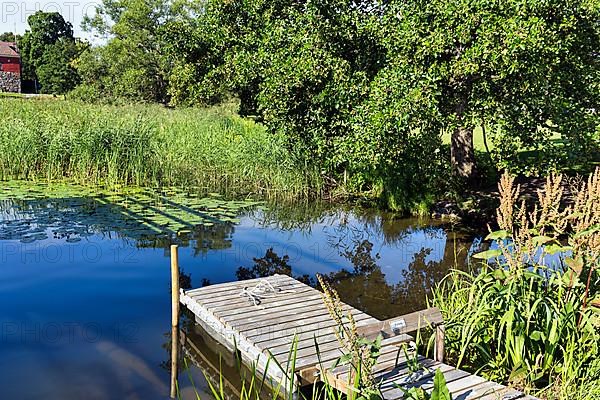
x=174 y=318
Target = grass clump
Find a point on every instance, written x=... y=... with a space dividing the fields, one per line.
x=524 y=318
x=211 y=149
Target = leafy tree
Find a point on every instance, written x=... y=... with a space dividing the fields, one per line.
x=47 y=51
x=46 y=28
x=316 y=67
x=367 y=89
x=194 y=48
x=132 y=62
x=55 y=70
x=527 y=69
x=9 y=37
x=372 y=88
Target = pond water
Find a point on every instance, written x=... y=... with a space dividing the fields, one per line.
x=85 y=279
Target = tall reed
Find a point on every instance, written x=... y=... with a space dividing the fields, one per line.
x=211 y=149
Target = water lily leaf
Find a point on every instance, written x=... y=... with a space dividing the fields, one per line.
x=77 y=211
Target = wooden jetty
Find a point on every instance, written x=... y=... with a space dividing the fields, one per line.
x=263 y=318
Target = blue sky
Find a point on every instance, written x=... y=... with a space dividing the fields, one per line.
x=14 y=13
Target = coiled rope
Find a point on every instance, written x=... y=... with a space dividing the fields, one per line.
x=264 y=289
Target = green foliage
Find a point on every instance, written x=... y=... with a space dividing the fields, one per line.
x=211 y=149
x=47 y=51
x=367 y=90
x=131 y=65
x=55 y=72
x=439 y=392
x=525 y=328
x=360 y=353
x=110 y=75
x=9 y=37
x=521 y=318
x=468 y=63
x=306 y=71
x=194 y=49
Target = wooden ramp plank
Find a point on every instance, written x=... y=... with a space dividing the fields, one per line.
x=236 y=297
x=296 y=313
x=290 y=305
x=226 y=287
x=476 y=392
x=285 y=317
x=288 y=292
x=305 y=334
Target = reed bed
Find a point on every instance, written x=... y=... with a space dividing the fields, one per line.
x=209 y=149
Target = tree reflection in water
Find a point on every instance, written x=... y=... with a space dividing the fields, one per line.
x=269 y=265
x=365 y=285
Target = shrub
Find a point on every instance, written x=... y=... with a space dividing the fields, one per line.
x=521 y=318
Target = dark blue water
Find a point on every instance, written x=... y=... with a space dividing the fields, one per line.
x=90 y=318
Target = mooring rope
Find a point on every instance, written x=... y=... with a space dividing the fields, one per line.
x=262 y=290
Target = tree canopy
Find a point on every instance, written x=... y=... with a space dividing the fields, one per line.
x=9 y=37
x=48 y=50
x=369 y=89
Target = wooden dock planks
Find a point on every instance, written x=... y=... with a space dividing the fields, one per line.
x=296 y=313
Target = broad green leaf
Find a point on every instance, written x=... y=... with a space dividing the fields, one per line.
x=497 y=235
x=518 y=373
x=576 y=264
x=440 y=390
x=592 y=229
x=540 y=240
x=499 y=274
x=535 y=335
x=554 y=248
x=486 y=255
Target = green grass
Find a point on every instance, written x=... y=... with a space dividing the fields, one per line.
x=211 y=149
x=11 y=95
x=479 y=141
x=524 y=329
x=552 y=153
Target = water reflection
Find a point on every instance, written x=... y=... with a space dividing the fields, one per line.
x=150 y=217
x=271 y=264
x=365 y=285
x=104 y=261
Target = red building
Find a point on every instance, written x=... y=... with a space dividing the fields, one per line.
x=10 y=68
